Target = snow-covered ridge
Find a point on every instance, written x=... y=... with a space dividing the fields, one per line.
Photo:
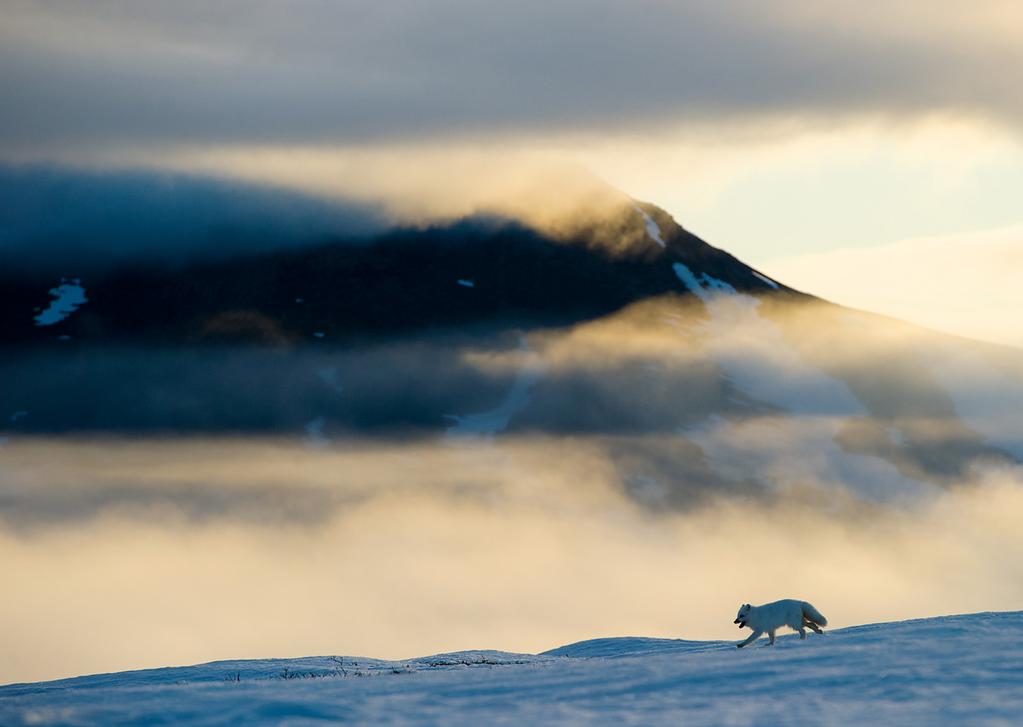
x=765 y=279
x=938 y=671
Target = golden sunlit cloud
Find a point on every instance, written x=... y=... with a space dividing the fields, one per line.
x=760 y=460
x=522 y=546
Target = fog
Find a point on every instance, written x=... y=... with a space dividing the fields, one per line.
x=73 y=221
x=185 y=206
x=400 y=550
x=655 y=469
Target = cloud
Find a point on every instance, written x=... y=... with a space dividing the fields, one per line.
x=336 y=73
x=73 y=221
x=861 y=391
x=684 y=494
x=416 y=183
x=522 y=546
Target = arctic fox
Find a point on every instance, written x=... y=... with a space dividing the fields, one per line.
x=797 y=615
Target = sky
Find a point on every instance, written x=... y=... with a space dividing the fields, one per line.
x=787 y=132
x=871 y=158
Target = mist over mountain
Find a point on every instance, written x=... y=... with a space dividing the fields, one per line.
x=60 y=221
x=618 y=324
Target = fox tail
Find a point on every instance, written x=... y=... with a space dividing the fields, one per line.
x=812 y=614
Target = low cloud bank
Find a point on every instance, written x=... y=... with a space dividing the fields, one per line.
x=400 y=550
x=668 y=463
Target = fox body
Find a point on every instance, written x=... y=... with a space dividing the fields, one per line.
x=797 y=615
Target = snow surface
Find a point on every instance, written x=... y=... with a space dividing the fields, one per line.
x=765 y=279
x=67 y=297
x=489 y=423
x=953 y=670
x=705 y=287
x=653 y=230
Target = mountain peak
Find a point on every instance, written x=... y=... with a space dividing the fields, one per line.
x=468 y=272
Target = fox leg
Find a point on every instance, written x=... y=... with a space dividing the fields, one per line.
x=752 y=637
x=770 y=635
x=802 y=633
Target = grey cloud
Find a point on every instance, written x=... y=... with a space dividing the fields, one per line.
x=60 y=504
x=351 y=72
x=634 y=402
x=61 y=221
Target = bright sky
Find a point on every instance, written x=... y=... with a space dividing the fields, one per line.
x=921 y=223
x=785 y=131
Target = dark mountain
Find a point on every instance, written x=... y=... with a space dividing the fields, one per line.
x=476 y=272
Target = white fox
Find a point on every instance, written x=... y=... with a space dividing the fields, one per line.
x=797 y=615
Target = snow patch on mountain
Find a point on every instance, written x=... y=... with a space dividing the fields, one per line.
x=756 y=358
x=489 y=423
x=653 y=230
x=314 y=436
x=67 y=298
x=692 y=282
x=765 y=279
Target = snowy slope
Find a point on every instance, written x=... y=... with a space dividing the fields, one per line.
x=950 y=670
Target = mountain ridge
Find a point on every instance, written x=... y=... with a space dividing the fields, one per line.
x=472 y=271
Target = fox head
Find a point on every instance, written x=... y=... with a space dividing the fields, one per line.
x=740 y=617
